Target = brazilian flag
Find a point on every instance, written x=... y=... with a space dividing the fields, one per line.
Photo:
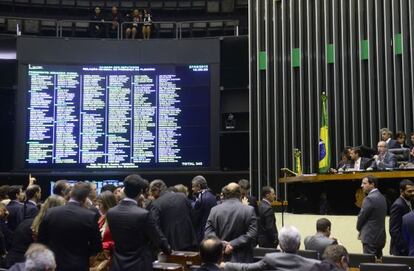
x=324 y=146
x=298 y=162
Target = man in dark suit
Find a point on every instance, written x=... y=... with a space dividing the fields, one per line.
x=211 y=254
x=134 y=230
x=267 y=231
x=287 y=260
x=33 y=196
x=386 y=135
x=172 y=213
x=246 y=198
x=71 y=231
x=371 y=218
x=384 y=159
x=15 y=206
x=357 y=162
x=408 y=231
x=399 y=208
x=204 y=201
x=235 y=224
x=320 y=241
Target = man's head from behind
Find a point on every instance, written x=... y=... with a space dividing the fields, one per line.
x=61 y=188
x=323 y=225
x=80 y=191
x=133 y=186
x=337 y=254
x=16 y=193
x=407 y=189
x=232 y=190
x=198 y=183
x=211 y=250
x=289 y=239
x=33 y=192
x=268 y=193
x=39 y=258
x=157 y=187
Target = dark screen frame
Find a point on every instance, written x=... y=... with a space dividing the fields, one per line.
x=54 y=51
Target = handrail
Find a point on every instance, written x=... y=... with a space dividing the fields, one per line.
x=60 y=25
x=152 y=23
x=120 y=28
x=34 y=19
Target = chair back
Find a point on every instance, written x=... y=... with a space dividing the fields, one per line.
x=355 y=259
x=399 y=259
x=383 y=267
x=310 y=254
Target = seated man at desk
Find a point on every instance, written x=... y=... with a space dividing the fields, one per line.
x=358 y=163
x=384 y=159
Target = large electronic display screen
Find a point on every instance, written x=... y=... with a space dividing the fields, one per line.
x=117 y=116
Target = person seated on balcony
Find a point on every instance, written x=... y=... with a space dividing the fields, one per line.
x=400 y=136
x=97 y=29
x=115 y=18
x=146 y=28
x=384 y=159
x=386 y=135
x=132 y=28
x=344 y=162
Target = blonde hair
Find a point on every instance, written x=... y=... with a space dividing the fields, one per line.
x=51 y=201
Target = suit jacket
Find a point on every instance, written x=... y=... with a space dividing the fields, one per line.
x=134 y=232
x=389 y=161
x=208 y=267
x=318 y=242
x=236 y=223
x=201 y=209
x=398 y=246
x=408 y=231
x=22 y=239
x=267 y=231
x=371 y=219
x=362 y=165
x=15 y=214
x=275 y=261
x=393 y=144
x=326 y=266
x=29 y=210
x=71 y=232
x=172 y=213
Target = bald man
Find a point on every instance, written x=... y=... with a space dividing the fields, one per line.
x=235 y=224
x=384 y=159
x=211 y=253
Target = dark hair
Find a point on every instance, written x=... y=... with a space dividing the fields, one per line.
x=244 y=184
x=200 y=181
x=133 y=185
x=400 y=134
x=13 y=190
x=31 y=191
x=335 y=253
x=172 y=189
x=404 y=183
x=266 y=190
x=80 y=191
x=4 y=190
x=356 y=150
x=211 y=250
x=60 y=187
x=372 y=180
x=322 y=224
x=107 y=199
x=108 y=187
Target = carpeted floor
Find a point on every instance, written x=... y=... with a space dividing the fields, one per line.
x=343 y=228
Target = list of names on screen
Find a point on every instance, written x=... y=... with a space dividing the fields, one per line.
x=149 y=116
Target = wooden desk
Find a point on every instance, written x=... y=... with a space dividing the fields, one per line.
x=348 y=176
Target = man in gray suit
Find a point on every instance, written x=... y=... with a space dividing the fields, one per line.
x=371 y=218
x=321 y=239
x=235 y=224
x=289 y=242
x=384 y=159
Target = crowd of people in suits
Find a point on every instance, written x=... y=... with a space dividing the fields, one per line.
x=126 y=227
x=391 y=153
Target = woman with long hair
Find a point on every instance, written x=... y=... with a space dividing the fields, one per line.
x=26 y=233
